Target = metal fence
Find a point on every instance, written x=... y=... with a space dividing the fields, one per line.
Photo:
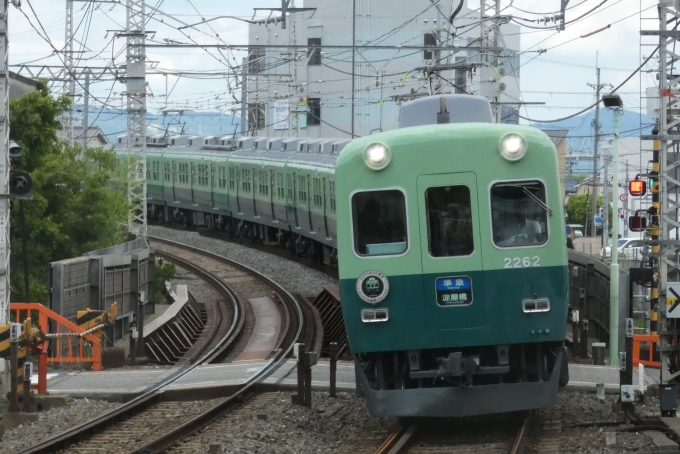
x=99 y=278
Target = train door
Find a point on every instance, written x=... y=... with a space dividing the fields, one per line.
x=451 y=252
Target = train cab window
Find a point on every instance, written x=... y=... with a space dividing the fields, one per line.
x=449 y=221
x=379 y=222
x=519 y=214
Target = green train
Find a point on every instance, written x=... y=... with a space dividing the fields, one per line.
x=449 y=238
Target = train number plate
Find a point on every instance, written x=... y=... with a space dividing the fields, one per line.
x=454 y=291
x=521 y=262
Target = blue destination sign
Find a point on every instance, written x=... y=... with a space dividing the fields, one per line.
x=454 y=291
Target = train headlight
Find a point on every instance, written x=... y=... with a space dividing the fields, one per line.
x=513 y=147
x=377 y=156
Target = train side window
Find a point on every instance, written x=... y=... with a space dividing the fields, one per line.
x=331 y=194
x=519 y=215
x=166 y=166
x=379 y=222
x=302 y=189
x=449 y=221
x=318 y=198
x=280 y=188
x=245 y=181
x=291 y=192
x=232 y=178
x=264 y=183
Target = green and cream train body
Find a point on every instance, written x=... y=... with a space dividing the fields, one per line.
x=449 y=238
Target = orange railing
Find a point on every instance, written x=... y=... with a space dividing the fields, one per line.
x=648 y=361
x=66 y=344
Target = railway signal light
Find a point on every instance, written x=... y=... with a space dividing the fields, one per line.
x=654 y=184
x=637 y=223
x=637 y=187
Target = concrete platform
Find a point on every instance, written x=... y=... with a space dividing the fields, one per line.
x=131 y=381
x=265 y=332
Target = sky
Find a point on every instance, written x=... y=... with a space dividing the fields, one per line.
x=557 y=77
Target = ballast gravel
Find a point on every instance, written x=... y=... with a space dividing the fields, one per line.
x=295 y=277
x=53 y=422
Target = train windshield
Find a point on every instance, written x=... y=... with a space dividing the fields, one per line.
x=519 y=214
x=449 y=221
x=379 y=220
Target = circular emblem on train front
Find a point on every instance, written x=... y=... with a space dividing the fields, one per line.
x=372 y=287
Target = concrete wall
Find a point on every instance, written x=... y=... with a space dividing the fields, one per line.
x=380 y=75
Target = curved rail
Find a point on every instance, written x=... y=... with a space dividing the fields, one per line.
x=272 y=365
x=150 y=394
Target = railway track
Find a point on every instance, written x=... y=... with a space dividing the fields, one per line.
x=135 y=426
x=487 y=435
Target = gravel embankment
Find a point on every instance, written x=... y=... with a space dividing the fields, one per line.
x=341 y=425
x=52 y=422
x=578 y=407
x=293 y=276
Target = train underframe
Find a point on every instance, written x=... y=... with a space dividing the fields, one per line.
x=284 y=237
x=462 y=382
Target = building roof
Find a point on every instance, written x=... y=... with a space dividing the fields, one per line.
x=95 y=136
x=556 y=135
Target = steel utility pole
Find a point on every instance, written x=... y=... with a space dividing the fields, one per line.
x=4 y=170
x=86 y=116
x=664 y=218
x=135 y=30
x=69 y=82
x=596 y=143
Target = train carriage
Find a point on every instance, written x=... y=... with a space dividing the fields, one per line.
x=453 y=268
x=449 y=238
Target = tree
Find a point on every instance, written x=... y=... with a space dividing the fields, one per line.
x=74 y=208
x=578 y=210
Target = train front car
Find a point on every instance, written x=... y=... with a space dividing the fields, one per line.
x=453 y=268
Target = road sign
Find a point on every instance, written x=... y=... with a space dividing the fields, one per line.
x=673 y=300
x=569 y=230
x=598 y=221
x=623 y=197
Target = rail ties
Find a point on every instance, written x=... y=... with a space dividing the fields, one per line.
x=487 y=434
x=172 y=337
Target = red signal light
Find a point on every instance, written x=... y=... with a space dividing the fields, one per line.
x=637 y=187
x=637 y=223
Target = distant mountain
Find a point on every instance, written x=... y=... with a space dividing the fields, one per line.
x=113 y=122
x=632 y=123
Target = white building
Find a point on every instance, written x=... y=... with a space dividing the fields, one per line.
x=327 y=89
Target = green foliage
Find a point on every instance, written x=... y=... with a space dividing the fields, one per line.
x=578 y=211
x=74 y=208
x=579 y=178
x=164 y=273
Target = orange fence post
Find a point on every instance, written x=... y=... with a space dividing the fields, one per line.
x=649 y=360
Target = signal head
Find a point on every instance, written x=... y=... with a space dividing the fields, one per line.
x=637 y=188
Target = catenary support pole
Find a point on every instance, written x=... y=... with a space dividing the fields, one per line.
x=86 y=117
x=596 y=144
x=614 y=269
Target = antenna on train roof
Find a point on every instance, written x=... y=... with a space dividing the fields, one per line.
x=443 y=117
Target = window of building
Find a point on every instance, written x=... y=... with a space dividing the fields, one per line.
x=232 y=178
x=264 y=183
x=317 y=194
x=379 y=222
x=314 y=51
x=302 y=189
x=256 y=60
x=203 y=175
x=331 y=195
x=168 y=173
x=313 y=111
x=519 y=214
x=280 y=188
x=256 y=115
x=449 y=221
x=246 y=183
x=430 y=40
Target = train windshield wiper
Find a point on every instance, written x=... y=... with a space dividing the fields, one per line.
x=537 y=200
